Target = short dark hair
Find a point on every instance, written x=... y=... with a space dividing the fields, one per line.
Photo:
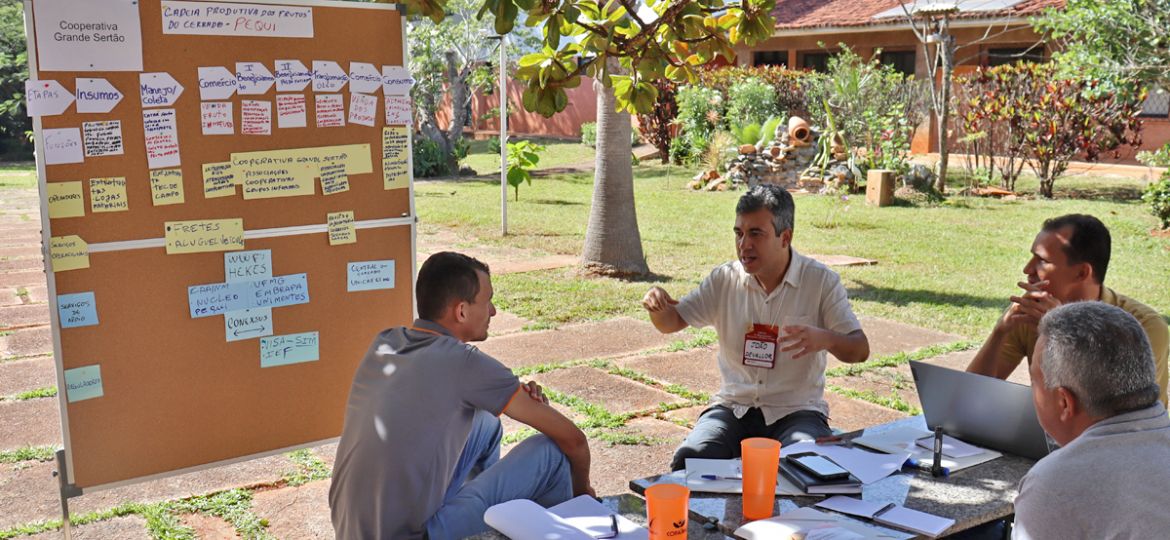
x=776 y=199
x=1089 y=242
x=444 y=277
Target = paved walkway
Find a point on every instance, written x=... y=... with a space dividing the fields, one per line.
x=636 y=390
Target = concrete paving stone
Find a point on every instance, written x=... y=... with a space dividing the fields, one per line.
x=25 y=278
x=296 y=513
x=696 y=369
x=690 y=415
x=27 y=342
x=848 y=414
x=884 y=382
x=547 y=262
x=8 y=297
x=24 y=316
x=889 y=337
x=28 y=491
x=590 y=340
x=27 y=264
x=841 y=260
x=506 y=323
x=209 y=527
x=33 y=422
x=23 y=375
x=37 y=294
x=616 y=394
x=21 y=252
x=327 y=453
x=614 y=465
x=960 y=360
x=120 y=528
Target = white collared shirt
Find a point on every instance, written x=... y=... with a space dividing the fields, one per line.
x=731 y=300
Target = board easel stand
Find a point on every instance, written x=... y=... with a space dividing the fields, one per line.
x=66 y=491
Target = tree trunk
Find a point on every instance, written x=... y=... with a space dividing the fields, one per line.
x=613 y=245
x=460 y=95
x=943 y=109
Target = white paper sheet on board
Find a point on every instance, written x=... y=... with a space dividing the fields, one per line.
x=94 y=35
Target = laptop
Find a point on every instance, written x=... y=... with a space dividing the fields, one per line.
x=981 y=410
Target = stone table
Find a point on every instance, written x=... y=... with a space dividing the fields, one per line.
x=972 y=496
x=633 y=508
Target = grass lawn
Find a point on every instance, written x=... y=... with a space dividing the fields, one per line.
x=949 y=267
x=558 y=153
x=18 y=175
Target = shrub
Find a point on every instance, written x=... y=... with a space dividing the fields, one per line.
x=428 y=159
x=493 y=145
x=589 y=134
x=1157 y=194
x=523 y=156
x=790 y=86
x=657 y=125
x=750 y=102
x=680 y=150
x=699 y=112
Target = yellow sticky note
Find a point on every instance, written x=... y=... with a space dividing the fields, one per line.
x=218 y=180
x=68 y=253
x=333 y=178
x=285 y=181
x=65 y=199
x=341 y=229
x=108 y=195
x=166 y=186
x=395 y=166
x=293 y=172
x=204 y=235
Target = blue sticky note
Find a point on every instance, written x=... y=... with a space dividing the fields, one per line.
x=247 y=265
x=219 y=298
x=369 y=276
x=79 y=309
x=83 y=383
x=247 y=323
x=289 y=349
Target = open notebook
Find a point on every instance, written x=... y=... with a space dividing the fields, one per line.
x=904 y=439
x=582 y=518
x=893 y=515
x=810 y=524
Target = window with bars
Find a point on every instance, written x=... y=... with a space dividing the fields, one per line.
x=770 y=58
x=1157 y=103
x=902 y=61
x=1011 y=55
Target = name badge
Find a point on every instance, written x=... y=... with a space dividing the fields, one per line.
x=759 y=346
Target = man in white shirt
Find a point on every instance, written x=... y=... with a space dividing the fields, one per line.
x=1096 y=394
x=777 y=313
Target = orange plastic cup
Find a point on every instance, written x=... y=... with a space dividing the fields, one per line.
x=761 y=462
x=666 y=506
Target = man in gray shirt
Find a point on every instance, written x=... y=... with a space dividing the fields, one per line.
x=1096 y=394
x=422 y=419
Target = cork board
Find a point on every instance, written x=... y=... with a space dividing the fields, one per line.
x=176 y=394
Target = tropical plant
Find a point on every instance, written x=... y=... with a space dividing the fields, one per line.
x=721 y=147
x=750 y=101
x=1157 y=194
x=589 y=134
x=15 y=124
x=746 y=133
x=700 y=112
x=988 y=107
x=429 y=159
x=789 y=85
x=657 y=126
x=768 y=131
x=523 y=156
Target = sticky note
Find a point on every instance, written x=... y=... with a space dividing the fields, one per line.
x=201 y=236
x=247 y=324
x=330 y=110
x=65 y=199
x=291 y=111
x=369 y=276
x=341 y=229
x=255 y=117
x=63 y=146
x=293 y=172
x=216 y=117
x=83 y=383
x=219 y=180
x=166 y=186
x=398 y=110
x=102 y=138
x=247 y=265
x=161 y=130
x=333 y=178
x=219 y=298
x=108 y=195
x=395 y=167
x=68 y=253
x=289 y=349
x=363 y=109
x=78 y=309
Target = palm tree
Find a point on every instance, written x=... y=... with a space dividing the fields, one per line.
x=613 y=246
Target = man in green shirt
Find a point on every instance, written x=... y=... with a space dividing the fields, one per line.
x=1068 y=264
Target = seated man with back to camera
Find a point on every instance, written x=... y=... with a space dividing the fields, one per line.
x=1069 y=258
x=422 y=421
x=1095 y=392
x=776 y=313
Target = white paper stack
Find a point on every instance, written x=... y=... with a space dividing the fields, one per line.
x=582 y=518
x=893 y=515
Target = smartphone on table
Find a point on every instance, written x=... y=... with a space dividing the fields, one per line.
x=817 y=465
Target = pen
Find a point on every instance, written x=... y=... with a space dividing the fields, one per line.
x=915 y=464
x=717 y=477
x=936 y=468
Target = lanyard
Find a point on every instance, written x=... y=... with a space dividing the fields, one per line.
x=425 y=330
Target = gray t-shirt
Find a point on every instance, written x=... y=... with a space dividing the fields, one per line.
x=1108 y=483
x=409 y=413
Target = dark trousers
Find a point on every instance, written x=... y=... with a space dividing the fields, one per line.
x=718 y=432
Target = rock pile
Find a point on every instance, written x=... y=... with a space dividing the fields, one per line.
x=781 y=162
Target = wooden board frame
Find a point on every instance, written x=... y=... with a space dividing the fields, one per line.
x=386 y=231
